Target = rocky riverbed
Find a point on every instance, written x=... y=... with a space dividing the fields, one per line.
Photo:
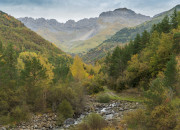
x=114 y=110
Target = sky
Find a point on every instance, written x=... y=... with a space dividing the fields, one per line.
x=63 y=10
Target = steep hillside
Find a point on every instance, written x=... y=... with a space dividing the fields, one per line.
x=123 y=36
x=83 y=35
x=14 y=32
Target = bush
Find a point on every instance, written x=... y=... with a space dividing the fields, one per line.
x=20 y=113
x=93 y=122
x=3 y=107
x=72 y=92
x=4 y=120
x=156 y=95
x=94 y=87
x=163 y=118
x=104 y=98
x=136 y=119
x=65 y=109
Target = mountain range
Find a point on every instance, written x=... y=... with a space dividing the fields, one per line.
x=83 y=35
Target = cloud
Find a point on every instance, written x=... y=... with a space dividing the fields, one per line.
x=62 y=10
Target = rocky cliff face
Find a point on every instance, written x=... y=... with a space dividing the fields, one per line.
x=71 y=34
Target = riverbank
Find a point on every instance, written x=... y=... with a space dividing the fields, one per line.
x=111 y=112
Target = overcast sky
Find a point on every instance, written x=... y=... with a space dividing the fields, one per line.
x=63 y=10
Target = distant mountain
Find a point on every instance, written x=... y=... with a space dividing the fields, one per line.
x=14 y=32
x=83 y=35
x=124 y=36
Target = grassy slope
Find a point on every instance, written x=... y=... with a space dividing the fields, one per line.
x=93 y=42
x=132 y=95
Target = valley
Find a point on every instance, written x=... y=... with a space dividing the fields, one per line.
x=117 y=71
x=81 y=36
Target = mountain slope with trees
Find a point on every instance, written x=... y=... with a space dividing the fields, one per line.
x=123 y=36
x=13 y=31
x=150 y=63
x=34 y=74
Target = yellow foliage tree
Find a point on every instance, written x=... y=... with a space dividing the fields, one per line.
x=24 y=56
x=77 y=69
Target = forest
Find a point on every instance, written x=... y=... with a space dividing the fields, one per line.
x=37 y=80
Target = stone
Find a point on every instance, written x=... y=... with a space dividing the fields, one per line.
x=3 y=128
x=69 y=121
x=35 y=126
x=121 y=109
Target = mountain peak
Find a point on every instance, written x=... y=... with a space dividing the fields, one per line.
x=177 y=6
x=124 y=9
x=120 y=12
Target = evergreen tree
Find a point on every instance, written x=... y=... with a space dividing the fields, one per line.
x=115 y=63
x=174 y=20
x=176 y=45
x=0 y=46
x=171 y=73
x=145 y=39
x=137 y=44
x=178 y=18
x=165 y=25
x=10 y=58
x=8 y=61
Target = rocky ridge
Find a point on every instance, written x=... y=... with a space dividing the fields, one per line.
x=73 y=34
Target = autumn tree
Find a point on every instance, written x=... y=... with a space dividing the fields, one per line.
x=77 y=69
x=163 y=52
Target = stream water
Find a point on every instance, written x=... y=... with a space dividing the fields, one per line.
x=109 y=112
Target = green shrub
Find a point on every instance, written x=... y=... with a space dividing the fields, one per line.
x=103 y=98
x=4 y=120
x=93 y=122
x=72 y=92
x=20 y=113
x=160 y=118
x=65 y=109
x=94 y=87
x=156 y=95
x=136 y=119
x=3 y=107
x=163 y=118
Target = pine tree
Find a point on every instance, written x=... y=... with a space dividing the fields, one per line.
x=8 y=61
x=176 y=45
x=115 y=63
x=165 y=25
x=0 y=46
x=178 y=18
x=174 y=20
x=145 y=39
x=137 y=44
x=171 y=73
